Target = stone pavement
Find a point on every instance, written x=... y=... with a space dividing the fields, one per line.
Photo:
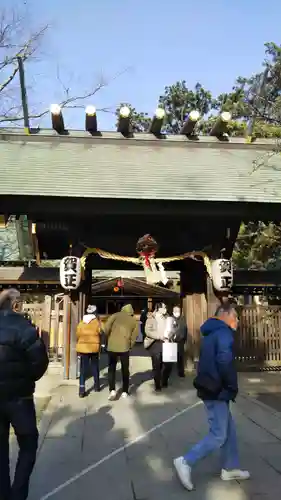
x=105 y=438
x=263 y=386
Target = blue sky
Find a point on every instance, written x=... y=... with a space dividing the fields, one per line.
x=153 y=42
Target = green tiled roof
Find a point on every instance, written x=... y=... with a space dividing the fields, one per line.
x=115 y=167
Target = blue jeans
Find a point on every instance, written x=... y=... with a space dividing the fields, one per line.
x=222 y=434
x=87 y=360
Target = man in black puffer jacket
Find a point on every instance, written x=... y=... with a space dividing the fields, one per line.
x=23 y=361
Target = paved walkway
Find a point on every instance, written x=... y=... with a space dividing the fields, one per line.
x=93 y=449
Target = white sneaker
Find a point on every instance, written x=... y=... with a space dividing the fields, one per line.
x=112 y=395
x=235 y=474
x=184 y=473
x=124 y=395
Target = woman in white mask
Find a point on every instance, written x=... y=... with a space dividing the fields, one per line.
x=157 y=331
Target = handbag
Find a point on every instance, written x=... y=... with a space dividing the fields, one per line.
x=169 y=352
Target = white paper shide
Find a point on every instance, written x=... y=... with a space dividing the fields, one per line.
x=70 y=273
x=222 y=275
x=155 y=273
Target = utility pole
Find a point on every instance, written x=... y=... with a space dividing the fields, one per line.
x=23 y=95
x=259 y=93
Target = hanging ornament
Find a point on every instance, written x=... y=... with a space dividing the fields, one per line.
x=147 y=248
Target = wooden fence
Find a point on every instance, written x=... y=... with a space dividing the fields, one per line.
x=258 y=339
x=48 y=318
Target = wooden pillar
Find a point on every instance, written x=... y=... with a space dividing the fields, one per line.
x=213 y=300
x=85 y=290
x=71 y=316
x=56 y=329
x=82 y=305
x=193 y=292
x=46 y=326
x=75 y=305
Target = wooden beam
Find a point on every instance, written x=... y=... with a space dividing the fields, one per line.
x=45 y=207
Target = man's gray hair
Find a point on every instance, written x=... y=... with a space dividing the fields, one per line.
x=226 y=308
x=8 y=298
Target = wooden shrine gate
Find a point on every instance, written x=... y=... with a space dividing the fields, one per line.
x=258 y=340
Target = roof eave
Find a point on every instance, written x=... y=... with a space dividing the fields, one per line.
x=140 y=139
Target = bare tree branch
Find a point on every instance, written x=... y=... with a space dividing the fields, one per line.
x=69 y=101
x=26 y=51
x=9 y=79
x=15 y=43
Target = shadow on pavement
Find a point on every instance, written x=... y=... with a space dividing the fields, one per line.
x=124 y=450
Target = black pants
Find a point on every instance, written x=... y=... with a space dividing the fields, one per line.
x=113 y=358
x=20 y=414
x=143 y=331
x=181 y=358
x=161 y=371
x=89 y=361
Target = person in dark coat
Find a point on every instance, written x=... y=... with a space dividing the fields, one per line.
x=143 y=318
x=23 y=361
x=180 y=336
x=217 y=386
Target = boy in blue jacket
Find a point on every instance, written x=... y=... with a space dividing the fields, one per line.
x=217 y=386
